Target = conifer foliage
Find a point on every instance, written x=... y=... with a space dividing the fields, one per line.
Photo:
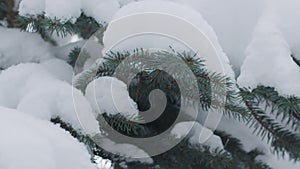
x=273 y=117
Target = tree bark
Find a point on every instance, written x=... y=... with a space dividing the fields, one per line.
x=11 y=14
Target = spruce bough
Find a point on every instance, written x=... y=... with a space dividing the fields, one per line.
x=273 y=117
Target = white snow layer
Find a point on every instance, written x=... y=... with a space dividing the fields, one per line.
x=127 y=150
x=268 y=61
x=109 y=95
x=31 y=7
x=161 y=42
x=63 y=9
x=30 y=143
x=232 y=20
x=101 y=10
x=42 y=90
x=19 y=47
x=183 y=128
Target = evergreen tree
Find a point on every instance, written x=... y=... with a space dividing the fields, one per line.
x=274 y=117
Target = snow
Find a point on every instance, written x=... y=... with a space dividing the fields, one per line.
x=62 y=52
x=257 y=36
x=182 y=129
x=268 y=55
x=233 y=22
x=288 y=13
x=29 y=84
x=127 y=150
x=31 y=48
x=125 y=2
x=16 y=5
x=103 y=163
x=110 y=95
x=161 y=42
x=31 y=7
x=279 y=163
x=102 y=10
x=63 y=9
x=31 y=143
x=59 y=69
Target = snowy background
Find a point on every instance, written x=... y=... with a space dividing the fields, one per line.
x=255 y=37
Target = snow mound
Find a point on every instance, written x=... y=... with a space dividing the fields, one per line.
x=269 y=61
x=101 y=10
x=31 y=7
x=30 y=48
x=183 y=128
x=62 y=52
x=127 y=150
x=233 y=22
x=125 y=2
x=33 y=89
x=59 y=69
x=28 y=142
x=63 y=9
x=110 y=95
x=162 y=42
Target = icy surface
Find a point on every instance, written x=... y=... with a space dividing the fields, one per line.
x=110 y=95
x=31 y=143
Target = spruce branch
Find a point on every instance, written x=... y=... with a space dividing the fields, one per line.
x=73 y=56
x=282 y=140
x=42 y=23
x=127 y=124
x=84 y=26
x=296 y=60
x=206 y=80
x=242 y=159
x=285 y=108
